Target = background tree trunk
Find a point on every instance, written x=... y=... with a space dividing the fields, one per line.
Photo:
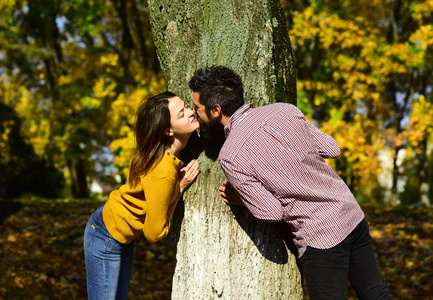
x=224 y=252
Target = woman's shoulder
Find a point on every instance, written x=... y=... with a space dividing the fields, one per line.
x=163 y=169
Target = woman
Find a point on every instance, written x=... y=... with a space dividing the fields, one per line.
x=146 y=204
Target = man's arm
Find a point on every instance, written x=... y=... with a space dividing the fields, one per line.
x=259 y=201
x=326 y=144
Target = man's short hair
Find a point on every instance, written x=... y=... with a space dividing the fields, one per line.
x=218 y=85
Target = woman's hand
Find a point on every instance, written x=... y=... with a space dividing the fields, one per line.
x=229 y=194
x=188 y=174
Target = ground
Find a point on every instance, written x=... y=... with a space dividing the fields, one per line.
x=41 y=251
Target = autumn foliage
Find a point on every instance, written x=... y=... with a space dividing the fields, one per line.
x=365 y=75
x=73 y=72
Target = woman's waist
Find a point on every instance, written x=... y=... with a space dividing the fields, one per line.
x=121 y=223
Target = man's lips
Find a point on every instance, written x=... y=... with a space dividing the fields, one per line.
x=194 y=120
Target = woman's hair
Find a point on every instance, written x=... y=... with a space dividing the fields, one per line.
x=153 y=119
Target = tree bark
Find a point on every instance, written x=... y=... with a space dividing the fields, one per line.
x=221 y=251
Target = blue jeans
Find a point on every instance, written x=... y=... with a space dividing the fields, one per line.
x=327 y=271
x=108 y=262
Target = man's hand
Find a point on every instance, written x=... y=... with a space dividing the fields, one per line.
x=188 y=174
x=229 y=194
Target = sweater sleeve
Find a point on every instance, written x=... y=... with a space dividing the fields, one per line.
x=161 y=198
x=172 y=206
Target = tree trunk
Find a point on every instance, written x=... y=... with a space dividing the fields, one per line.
x=224 y=252
x=423 y=173
x=127 y=45
x=80 y=172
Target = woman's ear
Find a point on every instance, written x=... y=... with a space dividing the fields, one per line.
x=169 y=132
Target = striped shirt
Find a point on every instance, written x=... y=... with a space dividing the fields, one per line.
x=274 y=158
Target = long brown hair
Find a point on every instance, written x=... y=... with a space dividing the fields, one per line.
x=153 y=119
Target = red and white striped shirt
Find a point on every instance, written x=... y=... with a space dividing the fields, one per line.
x=273 y=157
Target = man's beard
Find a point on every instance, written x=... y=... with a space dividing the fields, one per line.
x=213 y=134
x=210 y=128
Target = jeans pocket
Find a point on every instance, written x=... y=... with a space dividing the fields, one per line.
x=336 y=255
x=89 y=232
x=112 y=248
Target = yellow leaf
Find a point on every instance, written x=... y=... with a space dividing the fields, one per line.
x=12 y=238
x=149 y=255
x=18 y=280
x=375 y=234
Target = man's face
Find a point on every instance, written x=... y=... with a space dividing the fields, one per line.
x=209 y=127
x=200 y=109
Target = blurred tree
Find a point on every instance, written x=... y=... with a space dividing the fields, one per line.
x=21 y=169
x=68 y=61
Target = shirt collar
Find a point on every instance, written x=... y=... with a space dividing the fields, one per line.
x=242 y=111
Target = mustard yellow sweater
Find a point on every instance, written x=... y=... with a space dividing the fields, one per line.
x=146 y=208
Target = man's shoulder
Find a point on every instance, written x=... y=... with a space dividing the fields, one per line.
x=278 y=106
x=242 y=137
x=242 y=132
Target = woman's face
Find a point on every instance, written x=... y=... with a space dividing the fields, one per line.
x=182 y=119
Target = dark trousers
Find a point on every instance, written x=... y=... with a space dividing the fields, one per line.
x=327 y=271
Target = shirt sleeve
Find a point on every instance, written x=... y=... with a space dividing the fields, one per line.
x=258 y=200
x=161 y=199
x=326 y=144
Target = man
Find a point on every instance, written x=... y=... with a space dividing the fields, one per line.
x=274 y=159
